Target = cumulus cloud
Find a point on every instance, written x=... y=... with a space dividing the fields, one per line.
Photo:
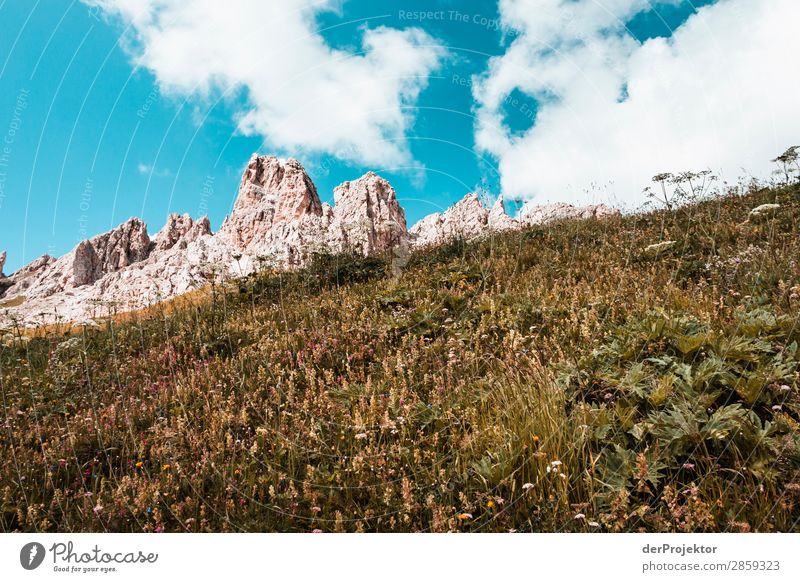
x=303 y=96
x=720 y=93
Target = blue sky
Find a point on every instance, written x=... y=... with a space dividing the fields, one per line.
x=90 y=139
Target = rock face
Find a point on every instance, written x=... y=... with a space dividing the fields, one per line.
x=499 y=220
x=545 y=213
x=2 y=262
x=276 y=221
x=271 y=193
x=469 y=219
x=110 y=252
x=366 y=216
x=180 y=230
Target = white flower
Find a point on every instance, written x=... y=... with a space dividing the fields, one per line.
x=658 y=247
x=527 y=486
x=580 y=516
x=361 y=436
x=594 y=524
x=764 y=209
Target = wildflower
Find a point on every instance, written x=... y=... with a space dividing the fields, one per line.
x=658 y=247
x=580 y=516
x=97 y=509
x=535 y=441
x=165 y=467
x=316 y=531
x=316 y=509
x=553 y=466
x=464 y=516
x=527 y=486
x=688 y=466
x=361 y=436
x=490 y=504
x=764 y=209
x=594 y=524
x=139 y=465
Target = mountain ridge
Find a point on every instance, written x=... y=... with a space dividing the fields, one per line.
x=278 y=220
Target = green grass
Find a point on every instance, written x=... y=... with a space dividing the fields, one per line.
x=560 y=378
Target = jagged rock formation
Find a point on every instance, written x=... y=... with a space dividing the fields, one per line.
x=366 y=216
x=544 y=213
x=272 y=194
x=180 y=230
x=469 y=219
x=86 y=263
x=2 y=262
x=499 y=220
x=277 y=220
x=109 y=252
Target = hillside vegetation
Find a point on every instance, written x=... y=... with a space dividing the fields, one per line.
x=633 y=374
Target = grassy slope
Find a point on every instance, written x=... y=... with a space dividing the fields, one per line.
x=508 y=384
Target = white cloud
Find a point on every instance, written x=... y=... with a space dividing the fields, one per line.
x=721 y=93
x=149 y=169
x=304 y=97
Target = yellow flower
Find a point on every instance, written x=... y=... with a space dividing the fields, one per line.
x=490 y=504
x=165 y=467
x=464 y=516
x=139 y=465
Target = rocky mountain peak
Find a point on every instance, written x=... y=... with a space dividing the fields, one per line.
x=499 y=219
x=109 y=252
x=467 y=219
x=2 y=262
x=367 y=216
x=180 y=230
x=272 y=192
x=282 y=186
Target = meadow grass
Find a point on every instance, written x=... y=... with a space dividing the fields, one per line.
x=634 y=374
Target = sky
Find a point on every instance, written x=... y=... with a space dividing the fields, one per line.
x=118 y=108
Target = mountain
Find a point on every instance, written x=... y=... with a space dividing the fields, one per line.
x=277 y=221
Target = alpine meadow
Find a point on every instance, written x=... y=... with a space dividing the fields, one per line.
x=636 y=372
